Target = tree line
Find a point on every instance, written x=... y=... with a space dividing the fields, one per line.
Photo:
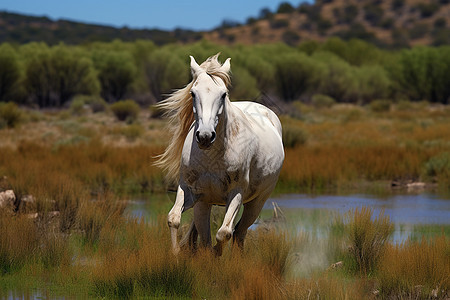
x=345 y=71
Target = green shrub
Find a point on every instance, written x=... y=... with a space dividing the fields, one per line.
x=296 y=74
x=125 y=110
x=438 y=165
x=77 y=106
x=322 y=101
x=338 y=79
x=54 y=75
x=293 y=136
x=96 y=103
x=9 y=73
x=423 y=73
x=116 y=72
x=132 y=132
x=380 y=106
x=10 y=115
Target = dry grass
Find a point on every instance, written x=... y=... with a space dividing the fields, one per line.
x=415 y=268
x=91 y=241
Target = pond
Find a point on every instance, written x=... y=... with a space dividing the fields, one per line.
x=410 y=212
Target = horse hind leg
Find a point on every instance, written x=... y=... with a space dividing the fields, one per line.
x=249 y=216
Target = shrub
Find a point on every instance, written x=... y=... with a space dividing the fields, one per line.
x=244 y=85
x=373 y=83
x=438 y=165
x=367 y=238
x=77 y=106
x=116 y=72
x=423 y=73
x=293 y=136
x=279 y=23
x=164 y=71
x=380 y=106
x=9 y=73
x=322 y=101
x=132 y=132
x=296 y=74
x=10 y=115
x=54 y=75
x=125 y=110
x=285 y=8
x=338 y=79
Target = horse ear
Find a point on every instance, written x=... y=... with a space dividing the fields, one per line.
x=195 y=68
x=226 y=66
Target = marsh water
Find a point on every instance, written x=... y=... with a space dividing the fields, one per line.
x=313 y=213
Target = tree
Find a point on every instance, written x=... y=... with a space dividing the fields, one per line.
x=116 y=72
x=54 y=75
x=285 y=8
x=9 y=73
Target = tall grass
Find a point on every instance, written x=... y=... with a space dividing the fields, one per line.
x=368 y=238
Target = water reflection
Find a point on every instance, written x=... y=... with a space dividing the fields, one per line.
x=313 y=214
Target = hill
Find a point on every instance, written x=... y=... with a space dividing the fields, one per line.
x=383 y=22
x=392 y=23
x=17 y=28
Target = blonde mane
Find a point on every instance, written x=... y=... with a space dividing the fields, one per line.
x=178 y=110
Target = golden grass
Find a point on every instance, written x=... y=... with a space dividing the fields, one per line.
x=415 y=268
x=84 y=174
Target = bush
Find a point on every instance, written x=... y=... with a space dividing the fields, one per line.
x=293 y=136
x=380 y=106
x=423 y=73
x=296 y=74
x=9 y=73
x=438 y=165
x=10 y=115
x=77 y=106
x=125 y=110
x=116 y=72
x=322 y=101
x=338 y=79
x=54 y=75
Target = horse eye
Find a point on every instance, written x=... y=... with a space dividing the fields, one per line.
x=224 y=96
x=193 y=95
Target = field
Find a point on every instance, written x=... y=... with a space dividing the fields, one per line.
x=74 y=170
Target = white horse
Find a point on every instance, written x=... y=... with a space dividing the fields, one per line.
x=221 y=152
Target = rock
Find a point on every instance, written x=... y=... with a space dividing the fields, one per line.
x=337 y=265
x=415 y=185
x=7 y=199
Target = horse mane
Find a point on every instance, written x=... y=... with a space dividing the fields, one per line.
x=178 y=110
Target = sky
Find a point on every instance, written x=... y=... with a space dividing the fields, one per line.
x=138 y=14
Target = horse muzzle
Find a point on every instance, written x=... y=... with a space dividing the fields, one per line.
x=205 y=139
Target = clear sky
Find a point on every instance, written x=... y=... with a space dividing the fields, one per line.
x=162 y=14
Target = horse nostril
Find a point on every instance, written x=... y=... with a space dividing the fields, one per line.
x=213 y=136
x=197 y=135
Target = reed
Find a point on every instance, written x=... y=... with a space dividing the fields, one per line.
x=367 y=238
x=416 y=269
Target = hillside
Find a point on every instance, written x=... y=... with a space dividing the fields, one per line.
x=397 y=23
x=383 y=22
x=21 y=29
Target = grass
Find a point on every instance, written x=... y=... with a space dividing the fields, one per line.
x=91 y=248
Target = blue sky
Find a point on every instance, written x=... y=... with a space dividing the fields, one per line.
x=163 y=14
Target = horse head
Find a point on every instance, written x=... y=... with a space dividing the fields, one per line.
x=209 y=94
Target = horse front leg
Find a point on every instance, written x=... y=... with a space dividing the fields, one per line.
x=226 y=230
x=202 y=217
x=174 y=219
